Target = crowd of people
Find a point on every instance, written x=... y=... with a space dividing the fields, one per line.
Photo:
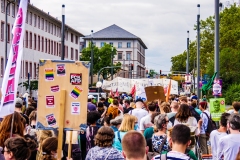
x=124 y=128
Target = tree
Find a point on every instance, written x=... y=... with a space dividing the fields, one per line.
x=152 y=73
x=33 y=85
x=101 y=58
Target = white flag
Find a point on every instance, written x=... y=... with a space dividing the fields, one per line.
x=11 y=75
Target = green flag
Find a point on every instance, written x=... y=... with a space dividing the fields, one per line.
x=208 y=86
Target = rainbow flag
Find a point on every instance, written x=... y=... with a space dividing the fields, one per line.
x=49 y=75
x=76 y=92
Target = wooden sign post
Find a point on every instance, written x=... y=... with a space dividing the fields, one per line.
x=62 y=95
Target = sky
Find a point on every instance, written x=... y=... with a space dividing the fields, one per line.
x=161 y=24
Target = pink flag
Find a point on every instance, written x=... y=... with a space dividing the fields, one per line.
x=12 y=71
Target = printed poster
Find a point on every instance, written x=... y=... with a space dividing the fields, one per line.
x=76 y=78
x=50 y=103
x=61 y=70
x=75 y=108
x=55 y=88
x=76 y=92
x=51 y=120
x=217 y=87
x=217 y=107
x=49 y=74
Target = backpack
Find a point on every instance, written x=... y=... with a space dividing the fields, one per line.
x=210 y=126
x=90 y=139
x=195 y=114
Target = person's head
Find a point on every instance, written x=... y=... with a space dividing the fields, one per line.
x=92 y=117
x=194 y=103
x=116 y=121
x=139 y=103
x=203 y=105
x=236 y=106
x=161 y=122
x=100 y=105
x=134 y=146
x=216 y=105
x=90 y=98
x=18 y=148
x=104 y=137
x=115 y=102
x=127 y=103
x=33 y=118
x=42 y=135
x=183 y=113
x=49 y=148
x=106 y=121
x=234 y=122
x=152 y=106
x=180 y=135
x=183 y=100
x=5 y=127
x=128 y=123
x=102 y=99
x=224 y=119
x=174 y=106
x=18 y=103
x=166 y=107
x=29 y=110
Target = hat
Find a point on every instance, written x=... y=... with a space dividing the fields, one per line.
x=19 y=100
x=139 y=100
x=90 y=97
x=116 y=121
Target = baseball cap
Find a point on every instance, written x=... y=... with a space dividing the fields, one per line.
x=19 y=100
x=90 y=96
x=116 y=121
x=139 y=100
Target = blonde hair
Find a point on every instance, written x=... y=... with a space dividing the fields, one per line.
x=133 y=105
x=128 y=123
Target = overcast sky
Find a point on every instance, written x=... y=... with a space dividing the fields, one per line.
x=161 y=24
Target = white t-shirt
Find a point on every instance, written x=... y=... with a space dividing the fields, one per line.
x=139 y=113
x=172 y=155
x=228 y=146
x=145 y=122
x=191 y=122
x=214 y=139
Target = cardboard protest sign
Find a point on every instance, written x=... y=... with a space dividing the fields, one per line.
x=155 y=92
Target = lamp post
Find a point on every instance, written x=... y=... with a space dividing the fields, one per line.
x=112 y=64
x=6 y=29
x=198 y=51
x=187 y=66
x=63 y=32
x=91 y=58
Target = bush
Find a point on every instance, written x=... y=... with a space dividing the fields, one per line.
x=232 y=94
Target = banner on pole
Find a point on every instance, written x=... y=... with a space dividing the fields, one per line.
x=12 y=71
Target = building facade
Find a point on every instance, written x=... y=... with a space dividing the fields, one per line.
x=130 y=49
x=42 y=39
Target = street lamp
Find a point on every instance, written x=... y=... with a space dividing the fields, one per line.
x=91 y=58
x=99 y=85
x=187 y=66
x=112 y=63
x=198 y=51
x=63 y=33
x=6 y=29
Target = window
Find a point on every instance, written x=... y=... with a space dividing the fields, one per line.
x=102 y=44
x=46 y=45
x=8 y=10
x=119 y=44
x=76 y=39
x=42 y=24
x=66 y=35
x=30 y=40
x=57 y=49
x=54 y=48
x=2 y=66
x=128 y=44
x=51 y=47
x=42 y=44
x=76 y=55
x=35 y=42
x=13 y=10
x=3 y=5
x=72 y=54
x=30 y=69
x=35 y=20
x=30 y=18
x=46 y=25
x=26 y=39
x=8 y=33
x=49 y=27
x=119 y=56
x=38 y=21
x=26 y=69
x=71 y=37
x=27 y=17
x=66 y=51
x=128 y=56
x=2 y=31
x=111 y=43
x=39 y=45
x=35 y=71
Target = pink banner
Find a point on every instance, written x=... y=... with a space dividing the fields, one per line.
x=12 y=71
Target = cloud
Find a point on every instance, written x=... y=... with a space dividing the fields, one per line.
x=161 y=24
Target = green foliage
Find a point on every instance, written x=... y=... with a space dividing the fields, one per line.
x=229 y=48
x=152 y=73
x=232 y=94
x=101 y=58
x=33 y=85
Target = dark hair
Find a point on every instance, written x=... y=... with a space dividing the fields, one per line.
x=107 y=120
x=115 y=102
x=236 y=106
x=32 y=116
x=34 y=105
x=194 y=103
x=20 y=148
x=234 y=120
x=18 y=105
x=102 y=99
x=183 y=113
x=152 y=106
x=224 y=118
x=161 y=120
x=127 y=101
x=93 y=116
x=104 y=137
x=183 y=98
x=48 y=145
x=90 y=100
x=180 y=134
x=153 y=116
x=29 y=110
x=100 y=104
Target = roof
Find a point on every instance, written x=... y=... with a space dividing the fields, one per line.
x=53 y=19
x=114 y=32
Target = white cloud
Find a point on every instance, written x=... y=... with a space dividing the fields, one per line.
x=161 y=24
